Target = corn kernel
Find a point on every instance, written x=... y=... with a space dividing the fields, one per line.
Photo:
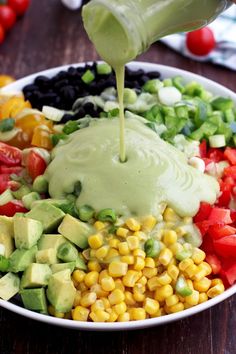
x=106 y=303
x=137 y=313
x=181 y=231
x=206 y=266
x=216 y=290
x=112 y=316
x=125 y=317
x=129 y=300
x=163 y=292
x=88 y=299
x=133 y=242
x=190 y=284
x=123 y=248
x=133 y=224
x=176 y=308
x=111 y=254
x=151 y=306
x=176 y=248
x=139 y=263
x=95 y=241
x=139 y=253
x=130 y=278
x=99 y=316
x=216 y=281
x=157 y=314
x=143 y=280
x=202 y=298
x=192 y=299
x=82 y=287
x=153 y=283
x=169 y=237
x=202 y=285
x=139 y=297
x=148 y=223
x=165 y=256
x=103 y=274
x=91 y=278
x=164 y=278
x=149 y=262
x=120 y=308
x=116 y=297
x=98 y=305
x=198 y=256
x=51 y=310
x=185 y=264
x=191 y=270
x=94 y=266
x=170 y=215
x=108 y=284
x=141 y=235
x=119 y=285
x=80 y=314
x=101 y=252
x=122 y=232
x=78 y=276
x=114 y=242
x=173 y=271
x=77 y=298
x=127 y=259
x=99 y=225
x=97 y=288
x=149 y=272
x=172 y=300
x=92 y=254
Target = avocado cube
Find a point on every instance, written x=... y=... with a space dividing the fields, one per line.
x=49 y=215
x=48 y=256
x=6 y=225
x=35 y=276
x=34 y=299
x=80 y=264
x=21 y=259
x=50 y=241
x=61 y=291
x=62 y=266
x=26 y=232
x=9 y=286
x=7 y=241
x=76 y=231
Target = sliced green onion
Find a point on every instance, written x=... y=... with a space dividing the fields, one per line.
x=70 y=127
x=183 y=255
x=152 y=248
x=88 y=77
x=7 y=124
x=130 y=96
x=217 y=141
x=85 y=212
x=103 y=69
x=152 y=86
x=178 y=83
x=182 y=287
x=107 y=215
x=57 y=137
x=53 y=113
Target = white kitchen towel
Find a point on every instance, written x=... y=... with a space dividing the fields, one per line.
x=224 y=29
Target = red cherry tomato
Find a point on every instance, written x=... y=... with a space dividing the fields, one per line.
x=19 y=6
x=7 y=17
x=12 y=207
x=35 y=165
x=2 y=34
x=10 y=155
x=200 y=42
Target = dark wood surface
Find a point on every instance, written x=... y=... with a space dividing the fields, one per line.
x=48 y=36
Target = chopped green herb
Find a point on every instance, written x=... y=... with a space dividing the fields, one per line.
x=7 y=124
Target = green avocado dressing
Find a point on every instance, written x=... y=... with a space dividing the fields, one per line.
x=155 y=172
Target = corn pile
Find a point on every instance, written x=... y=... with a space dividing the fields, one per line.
x=129 y=280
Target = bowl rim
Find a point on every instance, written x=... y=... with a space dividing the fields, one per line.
x=166 y=71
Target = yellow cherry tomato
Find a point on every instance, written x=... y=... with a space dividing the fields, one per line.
x=42 y=137
x=13 y=106
x=6 y=80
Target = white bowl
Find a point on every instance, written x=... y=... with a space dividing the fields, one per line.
x=165 y=72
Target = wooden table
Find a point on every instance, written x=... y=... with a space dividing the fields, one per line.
x=49 y=35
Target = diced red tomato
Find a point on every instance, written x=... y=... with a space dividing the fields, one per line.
x=203 y=212
x=207 y=161
x=233 y=215
x=9 y=155
x=230 y=274
x=220 y=216
x=203 y=149
x=224 y=199
x=226 y=246
x=218 y=231
x=215 y=155
x=214 y=262
x=10 y=170
x=5 y=183
x=207 y=245
x=203 y=226
x=230 y=155
x=230 y=172
x=12 y=207
x=35 y=165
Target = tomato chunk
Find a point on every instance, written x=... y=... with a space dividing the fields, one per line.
x=219 y=231
x=220 y=215
x=9 y=155
x=230 y=155
x=214 y=262
x=215 y=155
x=230 y=171
x=12 y=207
x=226 y=246
x=230 y=274
x=36 y=165
x=10 y=170
x=203 y=212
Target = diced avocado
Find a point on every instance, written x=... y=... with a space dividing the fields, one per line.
x=34 y=299
x=61 y=291
x=6 y=225
x=35 y=276
x=26 y=232
x=80 y=264
x=67 y=252
x=48 y=214
x=50 y=241
x=62 y=266
x=75 y=231
x=48 y=256
x=55 y=202
x=7 y=241
x=21 y=259
x=9 y=286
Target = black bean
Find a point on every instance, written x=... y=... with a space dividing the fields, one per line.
x=59 y=84
x=143 y=79
x=153 y=74
x=79 y=114
x=42 y=81
x=66 y=118
x=30 y=88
